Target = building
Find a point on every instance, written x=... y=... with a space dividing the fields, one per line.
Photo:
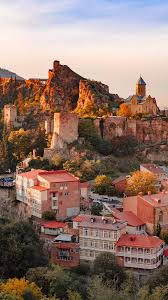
x=139 y=251
x=120 y=183
x=51 y=229
x=98 y=234
x=10 y=115
x=140 y=103
x=134 y=224
x=49 y=190
x=152 y=209
x=65 y=251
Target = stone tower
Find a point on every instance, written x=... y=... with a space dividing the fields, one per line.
x=65 y=128
x=141 y=87
x=10 y=115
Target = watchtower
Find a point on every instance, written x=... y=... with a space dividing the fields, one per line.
x=141 y=87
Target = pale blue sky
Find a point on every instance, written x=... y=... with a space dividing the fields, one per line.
x=108 y=40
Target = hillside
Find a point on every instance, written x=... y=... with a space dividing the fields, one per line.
x=8 y=74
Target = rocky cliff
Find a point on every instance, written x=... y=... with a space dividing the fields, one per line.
x=64 y=90
x=94 y=99
x=61 y=90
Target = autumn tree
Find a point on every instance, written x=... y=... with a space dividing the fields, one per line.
x=21 y=141
x=142 y=182
x=20 y=287
x=103 y=185
x=124 y=111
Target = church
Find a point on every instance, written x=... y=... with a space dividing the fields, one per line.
x=140 y=103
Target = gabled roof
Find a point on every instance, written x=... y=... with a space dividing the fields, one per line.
x=141 y=81
x=139 y=241
x=128 y=216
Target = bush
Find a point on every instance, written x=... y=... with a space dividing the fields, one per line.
x=48 y=215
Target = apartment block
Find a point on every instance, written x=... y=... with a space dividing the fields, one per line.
x=49 y=190
x=98 y=234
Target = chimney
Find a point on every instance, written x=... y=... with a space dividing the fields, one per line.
x=149 y=192
x=140 y=194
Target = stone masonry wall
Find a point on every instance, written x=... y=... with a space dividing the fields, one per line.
x=146 y=131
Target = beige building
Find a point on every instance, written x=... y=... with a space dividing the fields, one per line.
x=98 y=234
x=140 y=103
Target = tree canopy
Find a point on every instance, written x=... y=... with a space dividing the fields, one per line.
x=140 y=181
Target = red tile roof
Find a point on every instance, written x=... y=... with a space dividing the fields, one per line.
x=31 y=174
x=153 y=168
x=139 y=241
x=127 y=216
x=120 y=179
x=156 y=200
x=39 y=188
x=58 y=176
x=53 y=224
x=80 y=218
x=84 y=184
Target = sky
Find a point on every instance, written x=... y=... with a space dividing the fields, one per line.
x=113 y=41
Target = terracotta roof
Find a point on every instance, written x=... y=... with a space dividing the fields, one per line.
x=31 y=174
x=127 y=216
x=39 y=188
x=156 y=200
x=121 y=178
x=53 y=224
x=153 y=168
x=139 y=241
x=80 y=218
x=58 y=176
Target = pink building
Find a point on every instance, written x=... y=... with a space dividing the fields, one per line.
x=49 y=190
x=140 y=251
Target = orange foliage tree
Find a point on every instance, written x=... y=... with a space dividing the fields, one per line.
x=19 y=287
x=141 y=182
x=124 y=111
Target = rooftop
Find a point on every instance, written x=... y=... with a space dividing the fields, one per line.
x=38 y=188
x=53 y=224
x=65 y=237
x=139 y=241
x=156 y=200
x=58 y=176
x=127 y=216
x=141 y=81
x=91 y=221
x=153 y=168
x=120 y=178
x=31 y=174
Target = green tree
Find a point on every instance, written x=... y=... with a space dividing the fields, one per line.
x=72 y=295
x=96 y=209
x=20 y=249
x=164 y=235
x=112 y=274
x=4 y=296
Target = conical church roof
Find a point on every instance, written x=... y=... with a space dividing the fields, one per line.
x=141 y=81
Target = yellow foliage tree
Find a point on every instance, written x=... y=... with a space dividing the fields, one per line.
x=124 y=111
x=143 y=182
x=18 y=287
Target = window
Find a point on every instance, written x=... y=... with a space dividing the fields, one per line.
x=85 y=231
x=54 y=203
x=161 y=216
x=54 y=194
x=105 y=245
x=140 y=260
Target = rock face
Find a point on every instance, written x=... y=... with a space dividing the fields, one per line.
x=94 y=97
x=146 y=131
x=61 y=90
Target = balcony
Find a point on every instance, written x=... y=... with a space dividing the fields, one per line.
x=146 y=266
x=139 y=254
